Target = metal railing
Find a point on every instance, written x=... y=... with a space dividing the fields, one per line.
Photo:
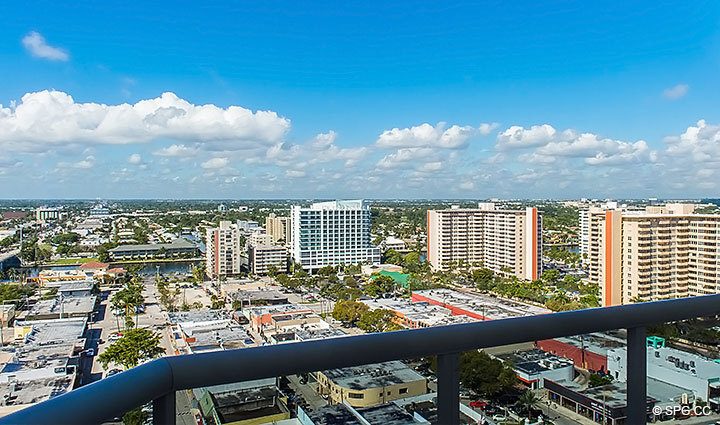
x=158 y=380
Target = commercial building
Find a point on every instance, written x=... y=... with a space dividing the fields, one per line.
x=331 y=234
x=41 y=364
x=589 y=351
x=248 y=298
x=414 y=315
x=476 y=306
x=660 y=253
x=534 y=366
x=180 y=247
x=279 y=229
x=371 y=385
x=505 y=241
x=222 y=256
x=243 y=403
x=63 y=307
x=699 y=375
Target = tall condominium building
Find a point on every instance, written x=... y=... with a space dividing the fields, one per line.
x=501 y=240
x=278 y=228
x=332 y=233
x=222 y=256
x=660 y=253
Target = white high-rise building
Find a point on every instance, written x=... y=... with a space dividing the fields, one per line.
x=505 y=241
x=222 y=255
x=332 y=233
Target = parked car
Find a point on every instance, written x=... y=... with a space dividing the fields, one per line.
x=112 y=372
x=478 y=404
x=89 y=352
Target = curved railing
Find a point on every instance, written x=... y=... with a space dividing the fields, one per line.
x=158 y=380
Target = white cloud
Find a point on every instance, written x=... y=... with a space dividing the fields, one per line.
x=179 y=151
x=426 y=135
x=54 y=118
x=487 y=128
x=215 y=163
x=83 y=164
x=324 y=140
x=676 y=92
x=135 y=159
x=699 y=143
x=35 y=43
x=520 y=137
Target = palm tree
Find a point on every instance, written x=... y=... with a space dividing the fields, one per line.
x=527 y=400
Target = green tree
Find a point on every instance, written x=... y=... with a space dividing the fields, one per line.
x=527 y=401
x=597 y=380
x=484 y=375
x=379 y=286
x=134 y=346
x=349 y=312
x=379 y=320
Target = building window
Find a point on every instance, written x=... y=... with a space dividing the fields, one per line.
x=356 y=395
x=403 y=391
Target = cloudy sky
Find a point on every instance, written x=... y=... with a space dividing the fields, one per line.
x=422 y=100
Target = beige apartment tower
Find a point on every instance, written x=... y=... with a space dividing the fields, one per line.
x=501 y=240
x=222 y=255
x=279 y=228
x=660 y=253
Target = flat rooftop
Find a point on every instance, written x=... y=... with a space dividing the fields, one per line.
x=534 y=361
x=180 y=317
x=374 y=375
x=598 y=342
x=480 y=304
x=69 y=305
x=422 y=312
x=271 y=295
x=31 y=392
x=274 y=309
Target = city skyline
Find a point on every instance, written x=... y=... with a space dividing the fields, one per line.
x=412 y=101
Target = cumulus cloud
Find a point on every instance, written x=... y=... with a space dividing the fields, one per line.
x=699 y=143
x=135 y=159
x=215 y=163
x=179 y=151
x=550 y=145
x=520 y=137
x=676 y=92
x=426 y=135
x=38 y=47
x=54 y=118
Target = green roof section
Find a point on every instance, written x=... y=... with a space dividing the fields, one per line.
x=656 y=342
x=399 y=278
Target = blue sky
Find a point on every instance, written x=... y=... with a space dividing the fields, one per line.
x=417 y=99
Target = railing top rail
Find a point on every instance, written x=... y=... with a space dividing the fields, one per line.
x=113 y=396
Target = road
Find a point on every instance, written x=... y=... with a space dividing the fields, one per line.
x=105 y=323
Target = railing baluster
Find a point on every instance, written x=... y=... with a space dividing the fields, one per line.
x=636 y=376
x=164 y=409
x=448 y=403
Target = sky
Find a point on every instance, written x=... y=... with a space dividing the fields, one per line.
x=327 y=99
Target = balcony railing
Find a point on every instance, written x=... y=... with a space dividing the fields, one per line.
x=158 y=380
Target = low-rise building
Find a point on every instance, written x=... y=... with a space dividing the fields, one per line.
x=180 y=247
x=249 y=298
x=243 y=403
x=698 y=374
x=371 y=385
x=417 y=315
x=588 y=351
x=534 y=366
x=477 y=306
x=63 y=307
x=41 y=364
